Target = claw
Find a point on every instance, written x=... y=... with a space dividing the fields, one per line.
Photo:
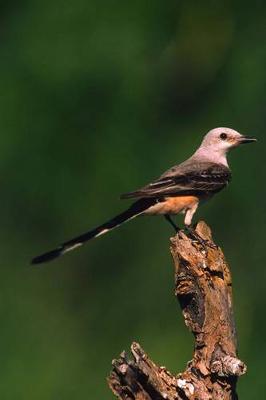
x=203 y=242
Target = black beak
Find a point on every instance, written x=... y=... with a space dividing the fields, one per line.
x=247 y=139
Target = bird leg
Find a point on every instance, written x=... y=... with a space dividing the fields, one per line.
x=169 y=219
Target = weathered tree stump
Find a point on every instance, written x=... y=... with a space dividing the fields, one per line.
x=203 y=288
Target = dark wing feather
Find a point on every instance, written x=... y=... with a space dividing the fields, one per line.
x=195 y=179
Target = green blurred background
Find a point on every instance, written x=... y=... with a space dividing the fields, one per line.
x=98 y=98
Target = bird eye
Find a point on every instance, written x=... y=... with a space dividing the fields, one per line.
x=223 y=136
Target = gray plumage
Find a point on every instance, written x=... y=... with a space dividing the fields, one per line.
x=178 y=190
x=193 y=177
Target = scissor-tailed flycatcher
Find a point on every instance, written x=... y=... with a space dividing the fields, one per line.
x=178 y=190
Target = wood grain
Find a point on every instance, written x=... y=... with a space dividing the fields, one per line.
x=203 y=287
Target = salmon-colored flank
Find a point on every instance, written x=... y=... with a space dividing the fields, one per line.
x=173 y=205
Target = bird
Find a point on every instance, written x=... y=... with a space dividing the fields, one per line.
x=179 y=190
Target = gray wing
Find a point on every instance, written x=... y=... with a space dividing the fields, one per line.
x=193 y=178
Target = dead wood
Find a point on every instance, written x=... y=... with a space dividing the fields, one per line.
x=203 y=288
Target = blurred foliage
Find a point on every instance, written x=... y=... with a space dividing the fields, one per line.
x=98 y=98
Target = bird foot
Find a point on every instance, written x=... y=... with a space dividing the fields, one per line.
x=197 y=238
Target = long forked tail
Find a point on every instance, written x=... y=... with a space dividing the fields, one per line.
x=136 y=209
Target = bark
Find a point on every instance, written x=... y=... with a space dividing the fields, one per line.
x=203 y=288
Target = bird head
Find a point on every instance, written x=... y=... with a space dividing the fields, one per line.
x=223 y=139
x=217 y=142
